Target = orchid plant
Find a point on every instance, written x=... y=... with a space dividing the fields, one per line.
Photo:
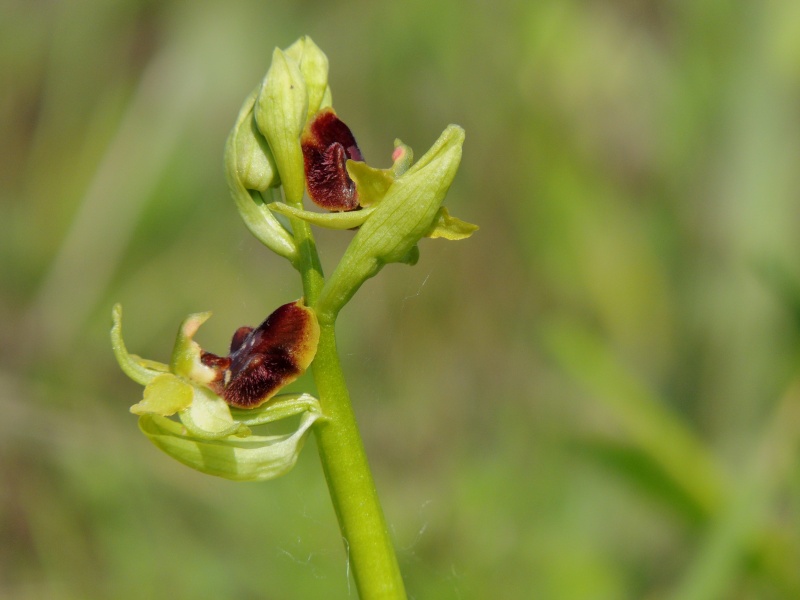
x=202 y=408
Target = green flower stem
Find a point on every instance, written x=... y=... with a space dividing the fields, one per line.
x=355 y=499
x=370 y=551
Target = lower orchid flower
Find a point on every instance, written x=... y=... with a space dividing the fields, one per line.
x=200 y=388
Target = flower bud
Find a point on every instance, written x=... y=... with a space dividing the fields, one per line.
x=281 y=110
x=314 y=67
x=250 y=168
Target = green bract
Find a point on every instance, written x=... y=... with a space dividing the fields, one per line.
x=209 y=436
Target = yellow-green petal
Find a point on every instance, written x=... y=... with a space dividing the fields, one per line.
x=371 y=183
x=165 y=395
x=449 y=227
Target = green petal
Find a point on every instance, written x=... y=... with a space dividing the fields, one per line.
x=340 y=220
x=186 y=352
x=255 y=458
x=141 y=370
x=371 y=184
x=279 y=407
x=450 y=228
x=165 y=395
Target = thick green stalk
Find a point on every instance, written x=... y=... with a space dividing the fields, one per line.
x=352 y=489
x=369 y=549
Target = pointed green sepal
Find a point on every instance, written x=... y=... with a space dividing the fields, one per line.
x=340 y=220
x=449 y=227
x=281 y=111
x=141 y=370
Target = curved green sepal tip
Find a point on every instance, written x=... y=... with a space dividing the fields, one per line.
x=141 y=370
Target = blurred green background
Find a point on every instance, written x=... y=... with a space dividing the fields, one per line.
x=597 y=396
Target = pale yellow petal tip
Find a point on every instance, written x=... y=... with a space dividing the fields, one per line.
x=164 y=396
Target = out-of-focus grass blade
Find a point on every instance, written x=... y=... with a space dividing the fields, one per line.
x=738 y=525
x=650 y=425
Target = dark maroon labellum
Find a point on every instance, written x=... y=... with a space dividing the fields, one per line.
x=264 y=359
x=327 y=145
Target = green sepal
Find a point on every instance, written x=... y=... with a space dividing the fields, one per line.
x=338 y=220
x=281 y=110
x=405 y=215
x=250 y=168
x=141 y=370
x=252 y=458
x=327 y=99
x=449 y=227
x=165 y=395
x=314 y=67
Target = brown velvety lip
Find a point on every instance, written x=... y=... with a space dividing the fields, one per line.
x=265 y=359
x=327 y=145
